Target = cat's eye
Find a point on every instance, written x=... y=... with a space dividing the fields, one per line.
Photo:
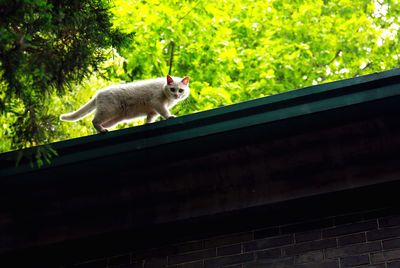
x=180 y=90
x=173 y=89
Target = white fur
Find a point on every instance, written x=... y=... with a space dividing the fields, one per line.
x=148 y=98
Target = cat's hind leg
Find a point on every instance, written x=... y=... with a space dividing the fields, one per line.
x=112 y=122
x=98 y=121
x=98 y=126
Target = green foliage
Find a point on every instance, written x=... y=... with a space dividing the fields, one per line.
x=232 y=50
x=240 y=50
x=45 y=47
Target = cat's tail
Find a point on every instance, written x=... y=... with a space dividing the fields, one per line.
x=81 y=112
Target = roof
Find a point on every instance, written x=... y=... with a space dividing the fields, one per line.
x=258 y=163
x=285 y=106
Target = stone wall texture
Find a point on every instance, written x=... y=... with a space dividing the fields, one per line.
x=368 y=239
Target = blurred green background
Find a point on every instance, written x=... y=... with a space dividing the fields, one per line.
x=233 y=51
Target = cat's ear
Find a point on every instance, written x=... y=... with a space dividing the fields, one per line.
x=185 y=81
x=169 y=80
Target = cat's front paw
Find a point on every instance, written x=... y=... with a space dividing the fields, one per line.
x=171 y=116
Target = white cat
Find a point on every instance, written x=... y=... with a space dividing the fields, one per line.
x=148 y=98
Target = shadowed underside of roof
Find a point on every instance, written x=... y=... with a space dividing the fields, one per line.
x=327 y=147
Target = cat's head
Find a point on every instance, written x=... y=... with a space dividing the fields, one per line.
x=177 y=88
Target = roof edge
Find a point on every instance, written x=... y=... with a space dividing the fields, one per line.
x=291 y=104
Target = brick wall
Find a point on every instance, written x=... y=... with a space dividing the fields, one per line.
x=370 y=239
